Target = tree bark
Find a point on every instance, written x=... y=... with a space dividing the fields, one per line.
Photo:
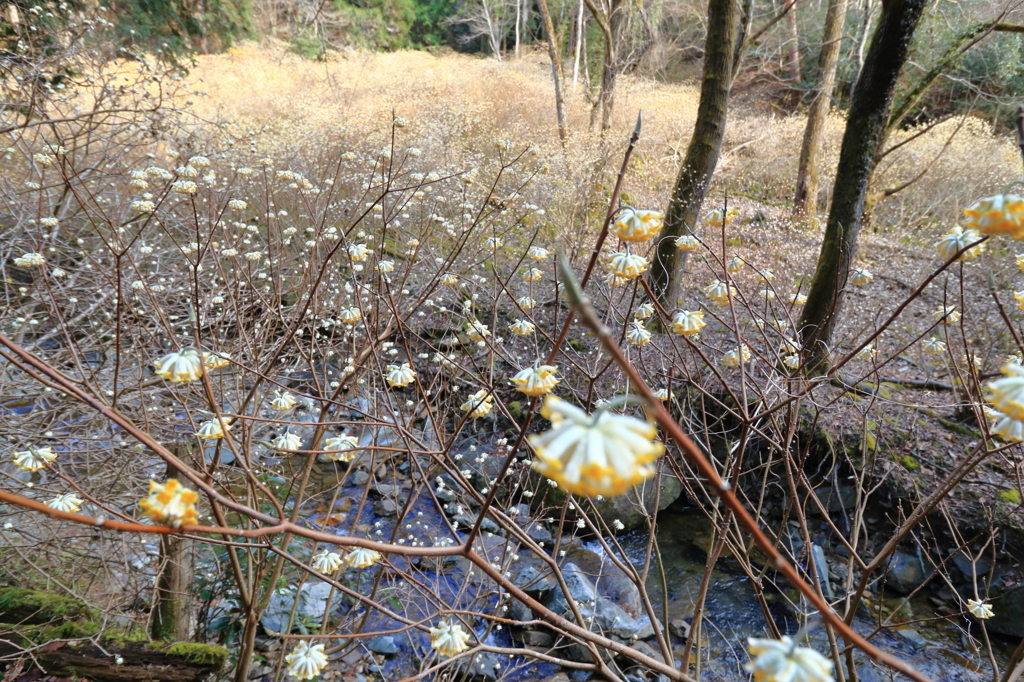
x=702 y=154
x=610 y=25
x=793 y=49
x=171 y=619
x=865 y=131
x=806 y=200
x=556 y=67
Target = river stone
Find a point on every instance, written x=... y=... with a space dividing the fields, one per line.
x=836 y=499
x=535 y=581
x=483 y=666
x=1007 y=608
x=535 y=638
x=609 y=579
x=617 y=622
x=312 y=604
x=630 y=509
x=382 y=644
x=905 y=573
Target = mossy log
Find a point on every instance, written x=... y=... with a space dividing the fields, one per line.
x=66 y=640
x=144 y=661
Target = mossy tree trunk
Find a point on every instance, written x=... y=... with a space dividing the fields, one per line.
x=806 y=200
x=171 y=620
x=865 y=131
x=702 y=154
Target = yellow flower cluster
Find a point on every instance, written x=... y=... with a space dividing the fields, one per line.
x=479 y=404
x=449 y=638
x=184 y=365
x=604 y=454
x=632 y=225
x=170 y=504
x=537 y=380
x=998 y=214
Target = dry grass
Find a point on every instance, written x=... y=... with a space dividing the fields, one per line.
x=457 y=105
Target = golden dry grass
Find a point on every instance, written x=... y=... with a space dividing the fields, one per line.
x=458 y=104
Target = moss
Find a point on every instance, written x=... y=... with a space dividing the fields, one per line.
x=1012 y=496
x=909 y=463
x=199 y=654
x=122 y=638
x=44 y=633
x=32 y=606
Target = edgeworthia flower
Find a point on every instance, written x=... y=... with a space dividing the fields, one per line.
x=522 y=327
x=538 y=253
x=183 y=365
x=1007 y=393
x=600 y=454
x=719 y=217
x=861 y=277
x=305 y=662
x=949 y=314
x=282 y=401
x=781 y=660
x=361 y=557
x=68 y=502
x=400 y=375
x=998 y=214
x=637 y=334
x=627 y=265
x=643 y=311
x=632 y=225
x=341 y=448
x=687 y=322
x=537 y=380
x=687 y=242
x=213 y=429
x=327 y=561
x=287 y=441
x=449 y=638
x=933 y=346
x=980 y=609
x=958 y=239
x=479 y=404
x=34 y=459
x=170 y=504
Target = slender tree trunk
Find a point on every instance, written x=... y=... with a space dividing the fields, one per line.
x=171 y=619
x=865 y=130
x=702 y=154
x=793 y=49
x=519 y=7
x=556 y=66
x=610 y=24
x=862 y=38
x=806 y=200
x=577 y=46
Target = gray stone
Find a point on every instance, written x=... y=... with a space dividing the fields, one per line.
x=535 y=638
x=905 y=573
x=483 y=666
x=536 y=582
x=359 y=477
x=969 y=570
x=613 y=620
x=609 y=579
x=382 y=644
x=836 y=499
x=468 y=520
x=538 y=533
x=1008 y=607
x=912 y=636
x=630 y=509
x=312 y=604
x=679 y=627
x=519 y=611
x=647 y=650
x=385 y=507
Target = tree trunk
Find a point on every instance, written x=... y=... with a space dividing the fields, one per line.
x=556 y=66
x=806 y=200
x=702 y=154
x=865 y=130
x=577 y=46
x=862 y=39
x=610 y=24
x=171 y=620
x=793 y=49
